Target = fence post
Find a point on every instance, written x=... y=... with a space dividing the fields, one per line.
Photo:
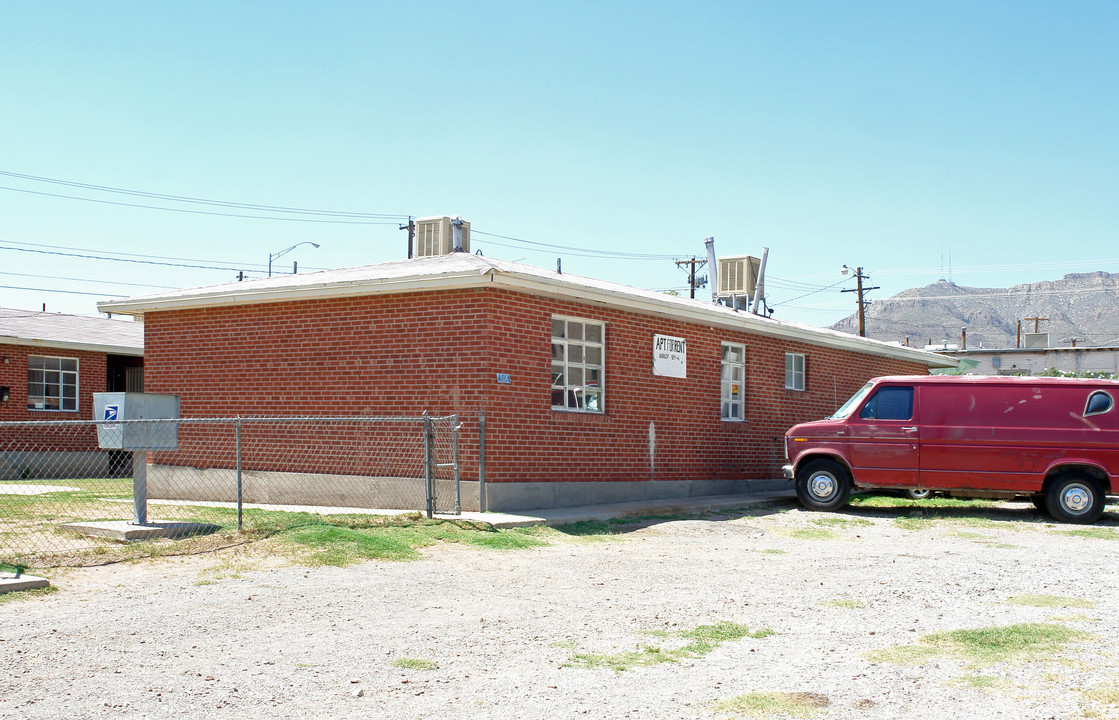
x=429 y=468
x=139 y=487
x=458 y=492
x=239 y=518
x=482 y=462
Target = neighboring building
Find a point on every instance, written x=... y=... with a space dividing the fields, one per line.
x=1035 y=361
x=592 y=391
x=50 y=366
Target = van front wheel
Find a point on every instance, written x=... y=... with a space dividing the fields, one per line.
x=823 y=485
x=1075 y=499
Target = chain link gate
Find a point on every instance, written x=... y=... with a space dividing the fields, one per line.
x=58 y=490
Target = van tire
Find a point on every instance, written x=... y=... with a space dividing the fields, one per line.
x=823 y=485
x=918 y=494
x=1075 y=498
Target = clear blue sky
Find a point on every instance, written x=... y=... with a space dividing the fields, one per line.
x=882 y=134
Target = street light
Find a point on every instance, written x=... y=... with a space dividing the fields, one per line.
x=285 y=251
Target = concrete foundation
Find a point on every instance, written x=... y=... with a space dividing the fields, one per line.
x=509 y=497
x=172 y=482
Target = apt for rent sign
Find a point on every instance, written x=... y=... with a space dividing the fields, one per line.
x=670 y=356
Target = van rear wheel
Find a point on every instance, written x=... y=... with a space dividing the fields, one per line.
x=1075 y=499
x=823 y=485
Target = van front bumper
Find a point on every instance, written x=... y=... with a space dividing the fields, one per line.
x=789 y=472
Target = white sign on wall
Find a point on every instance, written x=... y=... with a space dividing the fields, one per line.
x=670 y=356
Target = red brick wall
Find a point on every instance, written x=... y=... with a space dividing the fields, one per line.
x=91 y=379
x=441 y=351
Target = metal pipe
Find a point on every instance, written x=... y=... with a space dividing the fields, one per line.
x=140 y=487
x=239 y=498
x=482 y=504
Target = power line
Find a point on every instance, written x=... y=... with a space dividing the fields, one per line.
x=200 y=201
x=202 y=212
x=85 y=280
x=587 y=252
x=139 y=262
x=65 y=292
x=114 y=252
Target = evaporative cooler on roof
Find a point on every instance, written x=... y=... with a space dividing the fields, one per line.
x=436 y=235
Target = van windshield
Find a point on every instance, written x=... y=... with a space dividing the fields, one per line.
x=849 y=407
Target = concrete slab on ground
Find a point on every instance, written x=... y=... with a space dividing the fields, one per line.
x=13 y=582
x=126 y=531
x=24 y=489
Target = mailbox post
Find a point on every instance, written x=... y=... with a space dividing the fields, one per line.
x=137 y=422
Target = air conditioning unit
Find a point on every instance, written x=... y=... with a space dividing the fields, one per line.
x=1035 y=340
x=436 y=235
x=738 y=275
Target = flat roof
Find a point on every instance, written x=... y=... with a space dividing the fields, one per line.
x=71 y=332
x=465 y=270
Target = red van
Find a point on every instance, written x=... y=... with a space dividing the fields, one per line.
x=1055 y=440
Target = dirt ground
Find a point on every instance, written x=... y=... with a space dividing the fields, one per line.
x=833 y=603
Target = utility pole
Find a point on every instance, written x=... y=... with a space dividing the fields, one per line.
x=859 y=277
x=693 y=263
x=1036 y=321
x=411 y=228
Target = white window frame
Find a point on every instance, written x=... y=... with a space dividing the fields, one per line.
x=732 y=383
x=795 y=376
x=40 y=387
x=578 y=381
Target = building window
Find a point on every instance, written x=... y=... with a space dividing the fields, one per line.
x=794 y=371
x=52 y=383
x=733 y=390
x=577 y=364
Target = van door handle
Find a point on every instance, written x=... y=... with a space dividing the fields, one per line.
x=909 y=429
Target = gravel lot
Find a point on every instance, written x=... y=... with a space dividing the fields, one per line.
x=243 y=634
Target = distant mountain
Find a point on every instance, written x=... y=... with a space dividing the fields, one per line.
x=1080 y=307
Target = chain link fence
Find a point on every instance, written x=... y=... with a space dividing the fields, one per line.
x=64 y=500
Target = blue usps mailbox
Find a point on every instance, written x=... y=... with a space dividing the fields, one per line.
x=138 y=422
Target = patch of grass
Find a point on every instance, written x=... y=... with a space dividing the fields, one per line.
x=775 y=551
x=936 y=501
x=969 y=535
x=410 y=663
x=767 y=704
x=986 y=646
x=809 y=533
x=513 y=539
x=1007 y=546
x=703 y=639
x=1094 y=533
x=1049 y=601
x=983 y=682
x=839 y=521
x=846 y=603
x=27 y=594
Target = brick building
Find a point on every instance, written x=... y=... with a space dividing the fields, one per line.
x=591 y=391
x=50 y=366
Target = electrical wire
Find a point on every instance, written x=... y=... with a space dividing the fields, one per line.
x=139 y=262
x=586 y=252
x=125 y=254
x=202 y=201
x=66 y=292
x=85 y=280
x=202 y=212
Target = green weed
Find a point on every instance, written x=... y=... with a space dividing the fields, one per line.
x=985 y=646
x=766 y=704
